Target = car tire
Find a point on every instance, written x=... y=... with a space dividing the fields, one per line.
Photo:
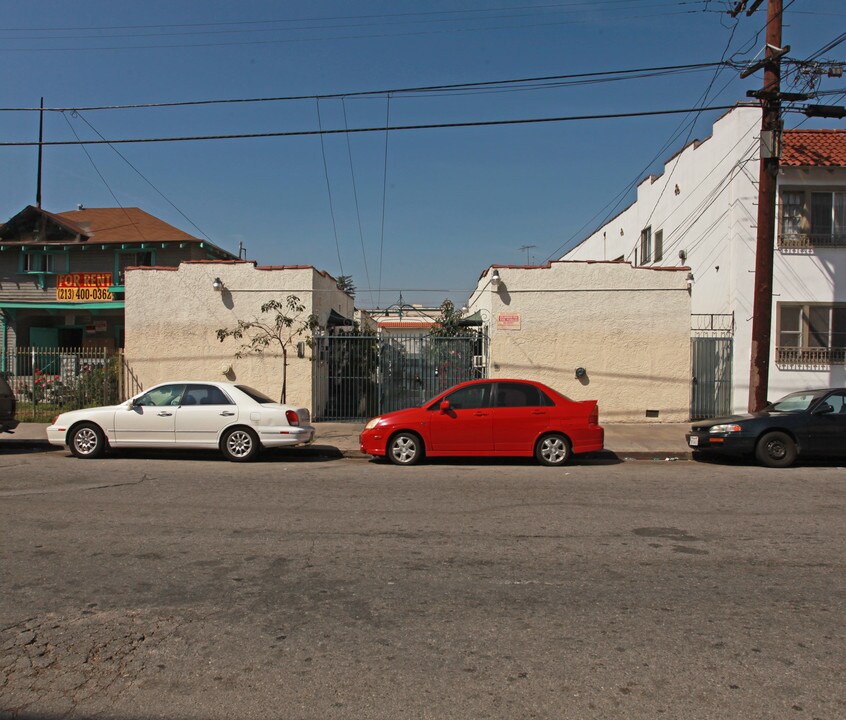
x=553 y=450
x=86 y=441
x=776 y=449
x=405 y=448
x=239 y=444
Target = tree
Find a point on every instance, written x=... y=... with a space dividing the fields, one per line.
x=345 y=283
x=282 y=326
x=448 y=323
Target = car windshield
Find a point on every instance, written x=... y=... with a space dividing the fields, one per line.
x=259 y=397
x=795 y=402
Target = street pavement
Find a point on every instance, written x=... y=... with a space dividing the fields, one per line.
x=638 y=441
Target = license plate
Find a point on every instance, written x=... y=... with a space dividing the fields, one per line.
x=693 y=440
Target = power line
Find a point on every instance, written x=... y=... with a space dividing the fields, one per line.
x=394 y=91
x=384 y=195
x=355 y=198
x=329 y=189
x=509 y=27
x=589 y=3
x=144 y=178
x=395 y=128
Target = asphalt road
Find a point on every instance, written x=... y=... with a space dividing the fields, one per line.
x=142 y=586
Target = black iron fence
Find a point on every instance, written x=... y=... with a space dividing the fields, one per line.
x=47 y=381
x=359 y=376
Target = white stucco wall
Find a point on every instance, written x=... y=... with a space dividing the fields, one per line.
x=172 y=317
x=628 y=327
x=817 y=276
x=705 y=202
x=713 y=218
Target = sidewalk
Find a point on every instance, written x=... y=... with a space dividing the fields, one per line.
x=634 y=441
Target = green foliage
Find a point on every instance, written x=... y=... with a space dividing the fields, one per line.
x=345 y=283
x=282 y=326
x=448 y=323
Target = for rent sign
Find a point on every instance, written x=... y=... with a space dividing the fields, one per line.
x=84 y=287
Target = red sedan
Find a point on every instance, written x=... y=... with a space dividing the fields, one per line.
x=488 y=418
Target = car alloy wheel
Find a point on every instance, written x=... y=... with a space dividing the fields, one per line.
x=240 y=445
x=87 y=441
x=405 y=449
x=553 y=450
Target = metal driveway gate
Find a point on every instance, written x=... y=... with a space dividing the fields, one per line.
x=711 y=363
x=359 y=376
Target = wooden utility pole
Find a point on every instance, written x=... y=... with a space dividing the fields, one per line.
x=40 y=154
x=767 y=179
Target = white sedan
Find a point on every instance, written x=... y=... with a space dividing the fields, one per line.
x=186 y=414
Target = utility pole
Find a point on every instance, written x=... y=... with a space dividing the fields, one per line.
x=767 y=178
x=40 y=153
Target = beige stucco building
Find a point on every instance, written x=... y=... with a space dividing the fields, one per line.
x=173 y=314
x=627 y=327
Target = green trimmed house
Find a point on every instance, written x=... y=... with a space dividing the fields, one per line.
x=62 y=274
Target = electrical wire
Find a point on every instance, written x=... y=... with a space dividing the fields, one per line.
x=355 y=198
x=637 y=73
x=217 y=45
x=384 y=195
x=329 y=189
x=395 y=128
x=105 y=182
x=593 y=4
x=144 y=178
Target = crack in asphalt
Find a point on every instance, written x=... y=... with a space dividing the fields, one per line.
x=75 y=488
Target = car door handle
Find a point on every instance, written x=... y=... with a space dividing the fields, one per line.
x=538 y=412
x=226 y=413
x=480 y=414
x=164 y=413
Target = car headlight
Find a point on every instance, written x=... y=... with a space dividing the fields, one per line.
x=373 y=423
x=725 y=429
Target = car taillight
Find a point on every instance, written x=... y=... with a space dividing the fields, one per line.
x=292 y=417
x=594 y=416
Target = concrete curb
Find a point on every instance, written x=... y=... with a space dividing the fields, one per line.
x=332 y=451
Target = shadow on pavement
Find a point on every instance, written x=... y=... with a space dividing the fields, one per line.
x=603 y=458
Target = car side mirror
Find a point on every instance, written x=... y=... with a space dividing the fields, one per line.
x=444 y=406
x=823 y=409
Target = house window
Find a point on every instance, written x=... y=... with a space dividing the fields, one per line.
x=828 y=218
x=812 y=219
x=42 y=262
x=38 y=263
x=132 y=259
x=659 y=245
x=811 y=335
x=646 y=246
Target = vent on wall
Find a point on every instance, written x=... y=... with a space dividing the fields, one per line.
x=652 y=413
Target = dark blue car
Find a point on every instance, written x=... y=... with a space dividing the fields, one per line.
x=808 y=423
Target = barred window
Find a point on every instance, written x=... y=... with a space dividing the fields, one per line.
x=811 y=334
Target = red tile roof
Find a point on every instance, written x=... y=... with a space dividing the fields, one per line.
x=814 y=148
x=124 y=225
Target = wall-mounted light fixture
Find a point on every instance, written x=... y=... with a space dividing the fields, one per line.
x=580 y=373
x=495 y=280
x=217 y=285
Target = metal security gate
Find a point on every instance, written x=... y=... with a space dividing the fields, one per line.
x=711 y=365
x=359 y=376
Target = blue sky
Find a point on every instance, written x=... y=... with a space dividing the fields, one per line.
x=443 y=204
